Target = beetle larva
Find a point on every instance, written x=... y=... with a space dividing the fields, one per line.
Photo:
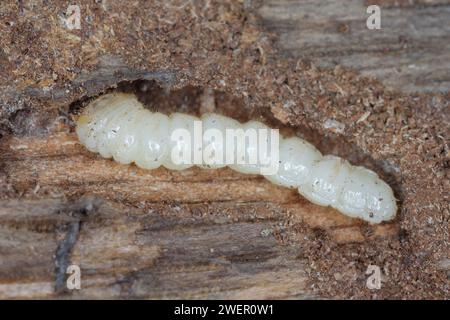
x=117 y=125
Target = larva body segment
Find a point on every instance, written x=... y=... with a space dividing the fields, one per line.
x=117 y=125
x=122 y=144
x=296 y=159
x=326 y=180
x=248 y=148
x=179 y=121
x=153 y=149
x=215 y=126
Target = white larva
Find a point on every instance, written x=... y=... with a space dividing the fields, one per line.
x=117 y=125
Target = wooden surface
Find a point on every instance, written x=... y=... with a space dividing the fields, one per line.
x=411 y=51
x=153 y=234
x=197 y=233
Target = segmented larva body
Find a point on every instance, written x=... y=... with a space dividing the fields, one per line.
x=117 y=125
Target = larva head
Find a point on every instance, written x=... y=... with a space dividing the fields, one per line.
x=380 y=202
x=367 y=197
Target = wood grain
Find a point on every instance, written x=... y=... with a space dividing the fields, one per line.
x=152 y=234
x=410 y=52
